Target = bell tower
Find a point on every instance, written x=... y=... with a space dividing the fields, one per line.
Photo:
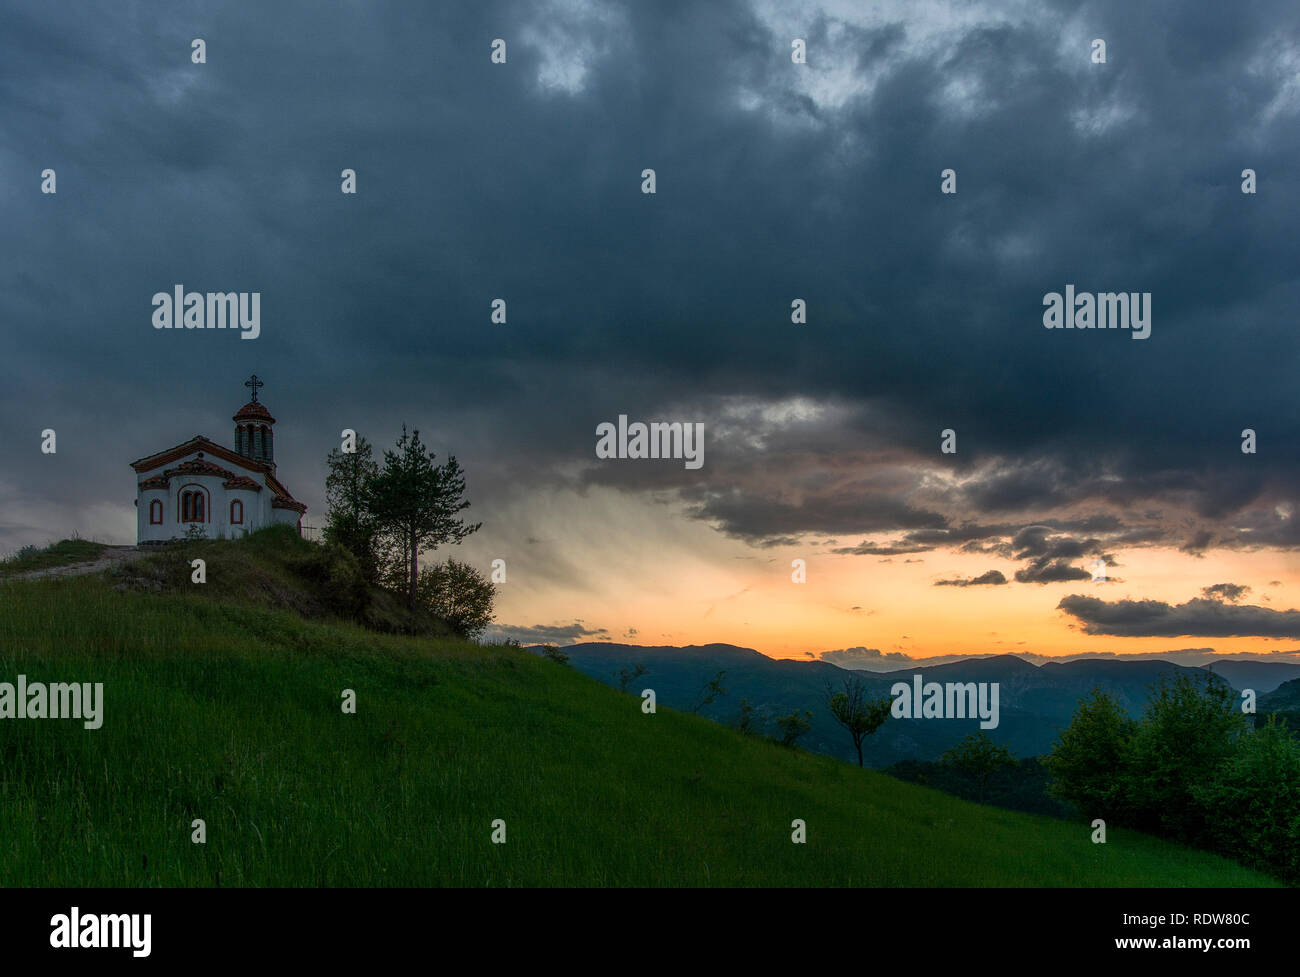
x=253 y=428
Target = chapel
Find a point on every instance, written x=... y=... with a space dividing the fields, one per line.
x=226 y=493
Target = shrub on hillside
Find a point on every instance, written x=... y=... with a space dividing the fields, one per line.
x=459 y=594
x=626 y=676
x=981 y=761
x=1088 y=761
x=1190 y=769
x=750 y=722
x=1291 y=717
x=1190 y=727
x=338 y=578
x=794 y=726
x=1252 y=803
x=710 y=692
x=554 y=653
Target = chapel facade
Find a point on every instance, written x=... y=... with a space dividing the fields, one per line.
x=226 y=493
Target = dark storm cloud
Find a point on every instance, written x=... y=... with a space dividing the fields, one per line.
x=1229 y=592
x=869 y=658
x=479 y=181
x=849 y=505
x=874 y=660
x=1051 y=571
x=537 y=634
x=1199 y=617
x=991 y=577
x=1049 y=555
x=1037 y=542
x=866 y=548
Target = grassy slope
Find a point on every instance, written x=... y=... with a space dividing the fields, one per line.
x=231 y=713
x=61 y=554
x=271 y=568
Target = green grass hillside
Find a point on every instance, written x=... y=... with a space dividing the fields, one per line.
x=276 y=568
x=61 y=554
x=222 y=707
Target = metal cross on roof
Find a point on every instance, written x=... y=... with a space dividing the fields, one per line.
x=254 y=383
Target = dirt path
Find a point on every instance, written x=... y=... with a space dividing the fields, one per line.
x=110 y=557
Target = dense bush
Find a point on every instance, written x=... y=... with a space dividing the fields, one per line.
x=1252 y=802
x=1190 y=727
x=338 y=578
x=979 y=760
x=1088 y=763
x=1191 y=769
x=459 y=594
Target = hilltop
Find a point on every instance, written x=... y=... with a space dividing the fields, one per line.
x=276 y=568
x=222 y=703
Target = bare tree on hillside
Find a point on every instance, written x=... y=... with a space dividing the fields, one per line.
x=856 y=711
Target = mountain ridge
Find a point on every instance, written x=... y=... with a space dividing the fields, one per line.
x=1036 y=701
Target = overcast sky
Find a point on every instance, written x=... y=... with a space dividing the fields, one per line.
x=776 y=181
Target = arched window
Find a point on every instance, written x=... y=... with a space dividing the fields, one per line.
x=155 y=513
x=236 y=512
x=192 y=507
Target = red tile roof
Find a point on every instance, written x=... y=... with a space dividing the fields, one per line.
x=198 y=443
x=198 y=466
x=253 y=411
x=283 y=498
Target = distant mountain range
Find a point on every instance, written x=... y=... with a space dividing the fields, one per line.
x=1260 y=676
x=1285 y=698
x=1036 y=701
